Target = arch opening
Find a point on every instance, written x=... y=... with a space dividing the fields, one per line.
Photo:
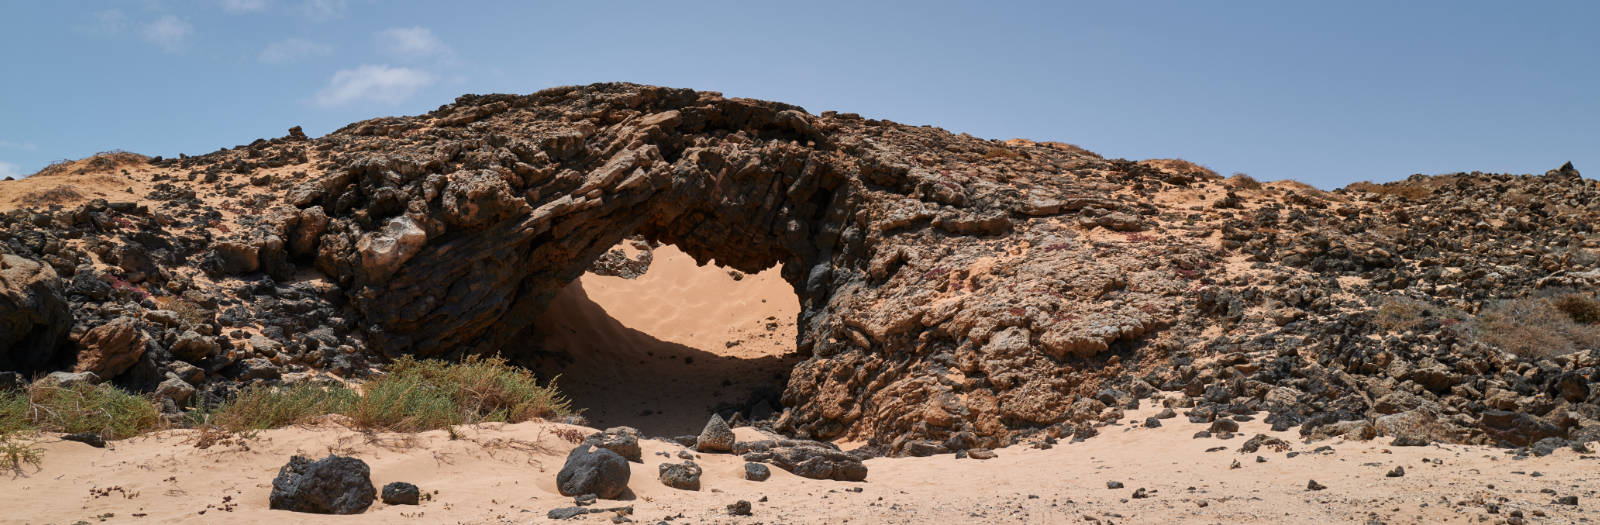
x=650 y=338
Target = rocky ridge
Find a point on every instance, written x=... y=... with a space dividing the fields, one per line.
x=956 y=293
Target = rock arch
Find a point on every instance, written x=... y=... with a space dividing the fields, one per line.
x=945 y=291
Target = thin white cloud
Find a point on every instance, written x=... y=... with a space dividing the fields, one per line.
x=323 y=10
x=293 y=50
x=411 y=43
x=389 y=85
x=168 y=31
x=24 y=146
x=107 y=22
x=8 y=169
x=245 y=6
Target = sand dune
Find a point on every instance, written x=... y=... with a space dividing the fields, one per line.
x=660 y=351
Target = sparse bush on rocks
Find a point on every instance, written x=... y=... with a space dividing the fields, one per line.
x=1536 y=327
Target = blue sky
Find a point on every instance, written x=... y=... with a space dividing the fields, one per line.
x=1323 y=92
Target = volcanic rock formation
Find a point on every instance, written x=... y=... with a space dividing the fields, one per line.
x=955 y=292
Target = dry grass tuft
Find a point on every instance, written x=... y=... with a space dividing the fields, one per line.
x=1538 y=326
x=1243 y=181
x=1408 y=190
x=102 y=409
x=1000 y=153
x=1181 y=167
x=1400 y=314
x=57 y=195
x=415 y=396
x=103 y=161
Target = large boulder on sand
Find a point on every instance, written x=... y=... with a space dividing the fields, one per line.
x=593 y=470
x=34 y=318
x=331 y=485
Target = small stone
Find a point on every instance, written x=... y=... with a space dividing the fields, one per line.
x=981 y=453
x=1113 y=484
x=1397 y=472
x=1313 y=485
x=739 y=508
x=401 y=493
x=88 y=438
x=1151 y=422
x=585 y=500
x=756 y=472
x=1567 y=500
x=716 y=437
x=566 y=513
x=682 y=476
x=1140 y=493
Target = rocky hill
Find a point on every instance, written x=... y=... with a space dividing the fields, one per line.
x=955 y=292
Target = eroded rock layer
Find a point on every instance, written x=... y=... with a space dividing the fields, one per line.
x=955 y=292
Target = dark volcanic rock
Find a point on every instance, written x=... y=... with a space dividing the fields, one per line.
x=401 y=493
x=808 y=459
x=88 y=438
x=593 y=470
x=622 y=440
x=331 y=485
x=684 y=476
x=34 y=317
x=716 y=437
x=1517 y=428
x=756 y=472
x=1059 y=286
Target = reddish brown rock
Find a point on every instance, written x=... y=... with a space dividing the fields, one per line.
x=110 y=349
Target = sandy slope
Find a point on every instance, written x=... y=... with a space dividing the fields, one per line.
x=660 y=351
x=505 y=474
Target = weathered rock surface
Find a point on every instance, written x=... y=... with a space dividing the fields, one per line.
x=955 y=293
x=593 y=470
x=34 y=317
x=808 y=459
x=682 y=476
x=331 y=485
x=622 y=440
x=110 y=349
x=401 y=493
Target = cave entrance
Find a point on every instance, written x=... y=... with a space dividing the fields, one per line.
x=648 y=338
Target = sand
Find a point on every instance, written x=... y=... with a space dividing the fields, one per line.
x=505 y=474
x=659 y=352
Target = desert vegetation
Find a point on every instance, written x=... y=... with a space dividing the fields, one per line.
x=416 y=395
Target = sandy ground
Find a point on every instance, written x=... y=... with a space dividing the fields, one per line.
x=505 y=474
x=659 y=352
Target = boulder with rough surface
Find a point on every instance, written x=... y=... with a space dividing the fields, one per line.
x=593 y=470
x=331 y=485
x=34 y=317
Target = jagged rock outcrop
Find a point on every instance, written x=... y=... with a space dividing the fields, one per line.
x=956 y=293
x=34 y=318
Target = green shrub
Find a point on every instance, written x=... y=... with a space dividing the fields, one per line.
x=14 y=412
x=102 y=409
x=14 y=453
x=414 y=396
x=260 y=408
x=429 y=394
